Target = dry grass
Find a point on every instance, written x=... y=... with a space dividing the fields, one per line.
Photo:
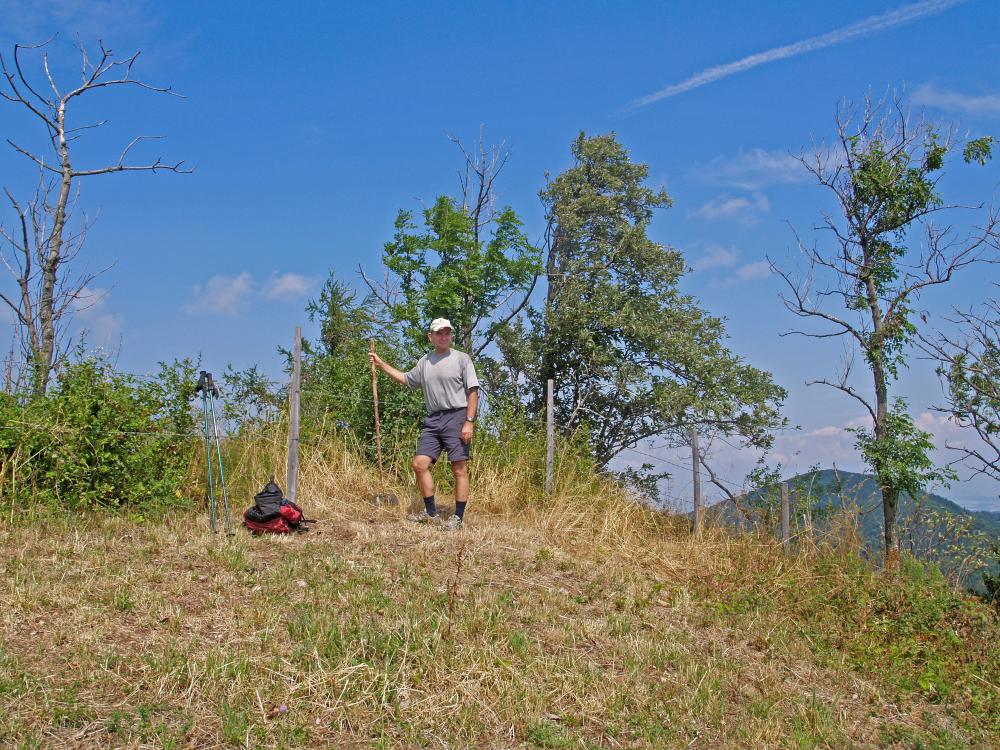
x=580 y=622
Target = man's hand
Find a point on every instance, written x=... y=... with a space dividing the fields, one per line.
x=388 y=369
x=467 y=430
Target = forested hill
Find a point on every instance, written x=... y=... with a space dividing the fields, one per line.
x=947 y=533
x=830 y=488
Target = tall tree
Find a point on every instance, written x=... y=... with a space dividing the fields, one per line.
x=631 y=356
x=42 y=242
x=884 y=252
x=470 y=261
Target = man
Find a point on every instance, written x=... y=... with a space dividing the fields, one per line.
x=451 y=395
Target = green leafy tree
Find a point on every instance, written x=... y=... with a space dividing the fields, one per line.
x=992 y=582
x=336 y=375
x=467 y=261
x=900 y=455
x=250 y=399
x=883 y=174
x=631 y=356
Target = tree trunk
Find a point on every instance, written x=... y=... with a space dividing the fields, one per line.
x=45 y=355
x=890 y=504
x=889 y=490
x=875 y=353
x=468 y=322
x=548 y=370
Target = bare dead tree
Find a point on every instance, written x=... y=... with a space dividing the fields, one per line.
x=969 y=365
x=483 y=165
x=41 y=243
x=883 y=173
x=26 y=266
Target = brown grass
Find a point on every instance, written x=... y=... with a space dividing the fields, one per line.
x=579 y=621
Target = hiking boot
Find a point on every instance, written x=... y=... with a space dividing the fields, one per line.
x=453 y=524
x=422 y=517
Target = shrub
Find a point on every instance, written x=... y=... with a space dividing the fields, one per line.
x=100 y=438
x=992 y=582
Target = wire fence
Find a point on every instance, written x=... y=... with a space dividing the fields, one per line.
x=680 y=494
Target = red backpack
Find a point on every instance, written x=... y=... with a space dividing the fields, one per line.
x=273 y=514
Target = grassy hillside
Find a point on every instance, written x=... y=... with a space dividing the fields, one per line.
x=582 y=621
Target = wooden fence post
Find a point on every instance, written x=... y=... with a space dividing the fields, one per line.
x=785 y=534
x=550 y=436
x=696 y=478
x=292 y=476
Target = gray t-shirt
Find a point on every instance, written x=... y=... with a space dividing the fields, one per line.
x=445 y=379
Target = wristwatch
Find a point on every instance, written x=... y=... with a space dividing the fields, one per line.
x=470 y=419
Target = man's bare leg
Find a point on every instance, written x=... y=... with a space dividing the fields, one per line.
x=422 y=471
x=460 y=469
x=425 y=482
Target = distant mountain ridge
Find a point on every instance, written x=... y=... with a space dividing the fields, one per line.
x=863 y=490
x=832 y=488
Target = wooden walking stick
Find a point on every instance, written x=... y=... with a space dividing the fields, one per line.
x=383 y=498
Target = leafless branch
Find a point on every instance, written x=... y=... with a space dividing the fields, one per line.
x=40 y=162
x=381 y=295
x=513 y=314
x=730 y=495
x=20 y=73
x=969 y=366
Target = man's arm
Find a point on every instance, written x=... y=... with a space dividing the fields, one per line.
x=473 y=406
x=388 y=369
x=470 y=414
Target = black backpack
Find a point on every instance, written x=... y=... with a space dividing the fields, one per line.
x=273 y=514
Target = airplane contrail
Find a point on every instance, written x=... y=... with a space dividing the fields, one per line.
x=870 y=25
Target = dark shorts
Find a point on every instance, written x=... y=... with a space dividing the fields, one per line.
x=443 y=432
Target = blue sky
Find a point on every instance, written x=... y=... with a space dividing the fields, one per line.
x=309 y=124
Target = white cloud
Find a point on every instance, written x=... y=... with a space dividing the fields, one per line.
x=760 y=269
x=90 y=309
x=865 y=27
x=716 y=256
x=225 y=295
x=754 y=170
x=288 y=286
x=229 y=295
x=745 y=209
x=826 y=432
x=30 y=21
x=942 y=427
x=929 y=95
x=828 y=445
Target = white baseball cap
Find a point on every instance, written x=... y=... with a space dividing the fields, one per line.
x=440 y=323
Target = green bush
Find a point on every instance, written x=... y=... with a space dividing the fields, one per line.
x=100 y=438
x=991 y=583
x=337 y=396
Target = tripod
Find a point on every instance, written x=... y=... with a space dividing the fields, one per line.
x=209 y=392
